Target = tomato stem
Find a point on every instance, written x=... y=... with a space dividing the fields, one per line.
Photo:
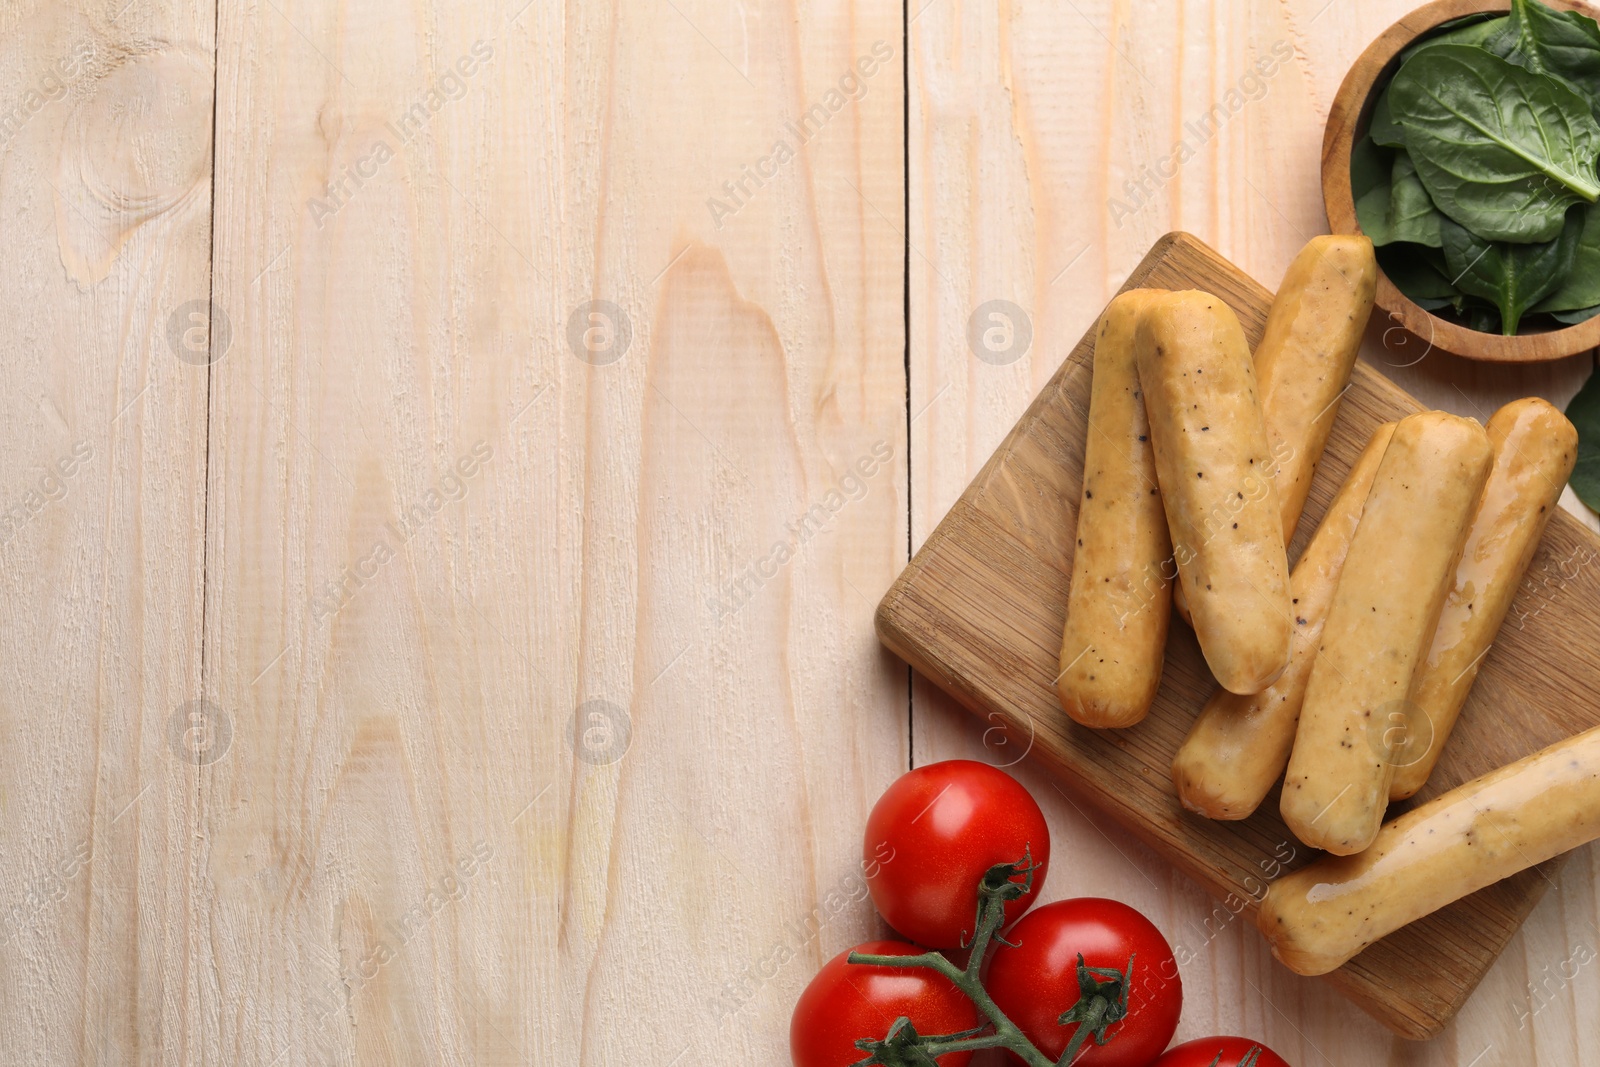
x=1102 y=1000
x=1103 y=993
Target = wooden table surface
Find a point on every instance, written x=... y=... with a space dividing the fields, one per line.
x=452 y=454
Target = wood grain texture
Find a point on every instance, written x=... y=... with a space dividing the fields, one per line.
x=554 y=757
x=105 y=163
x=1026 y=119
x=981 y=605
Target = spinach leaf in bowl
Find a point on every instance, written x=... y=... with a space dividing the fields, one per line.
x=1563 y=44
x=1468 y=30
x=1572 y=318
x=1371 y=184
x=1513 y=277
x=1397 y=208
x=1580 y=288
x=1372 y=212
x=1480 y=317
x=1370 y=166
x=1412 y=216
x=1501 y=150
x=1382 y=127
x=1420 y=273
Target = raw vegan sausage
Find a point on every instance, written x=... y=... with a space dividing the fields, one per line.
x=1118 y=609
x=1534 y=450
x=1455 y=844
x=1304 y=360
x=1214 y=471
x=1379 y=624
x=1305 y=357
x=1238 y=746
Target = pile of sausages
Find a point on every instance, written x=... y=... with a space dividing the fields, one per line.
x=1344 y=676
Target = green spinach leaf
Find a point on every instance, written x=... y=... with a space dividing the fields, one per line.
x=1501 y=150
x=1479 y=316
x=1474 y=30
x=1584 y=412
x=1372 y=212
x=1562 y=44
x=1418 y=272
x=1382 y=127
x=1513 y=277
x=1580 y=288
x=1396 y=208
x=1572 y=318
x=1412 y=216
x=1468 y=29
x=1370 y=166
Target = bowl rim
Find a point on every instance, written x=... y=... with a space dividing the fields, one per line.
x=1350 y=107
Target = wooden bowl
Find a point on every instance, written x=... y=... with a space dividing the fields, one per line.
x=1348 y=119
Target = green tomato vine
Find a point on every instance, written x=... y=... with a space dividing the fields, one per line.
x=1102 y=991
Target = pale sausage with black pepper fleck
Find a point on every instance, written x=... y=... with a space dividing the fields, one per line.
x=1455 y=844
x=1535 y=448
x=1380 y=622
x=1238 y=746
x=1215 y=474
x=1303 y=362
x=1118 y=609
x=1305 y=357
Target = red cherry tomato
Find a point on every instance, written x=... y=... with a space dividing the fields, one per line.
x=1035 y=979
x=846 y=1001
x=932 y=836
x=1221 y=1052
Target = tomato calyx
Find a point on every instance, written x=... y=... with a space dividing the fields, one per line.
x=904 y=1047
x=1251 y=1058
x=1102 y=1000
x=998 y=887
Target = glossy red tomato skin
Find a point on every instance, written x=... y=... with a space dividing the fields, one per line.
x=931 y=837
x=846 y=1001
x=1206 y=1050
x=1035 y=978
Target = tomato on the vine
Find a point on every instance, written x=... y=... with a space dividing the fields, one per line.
x=1034 y=978
x=1221 y=1052
x=932 y=836
x=847 y=1001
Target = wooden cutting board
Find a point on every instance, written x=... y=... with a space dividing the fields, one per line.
x=980 y=610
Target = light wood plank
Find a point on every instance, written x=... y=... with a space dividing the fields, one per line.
x=617 y=548
x=105 y=183
x=1026 y=121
